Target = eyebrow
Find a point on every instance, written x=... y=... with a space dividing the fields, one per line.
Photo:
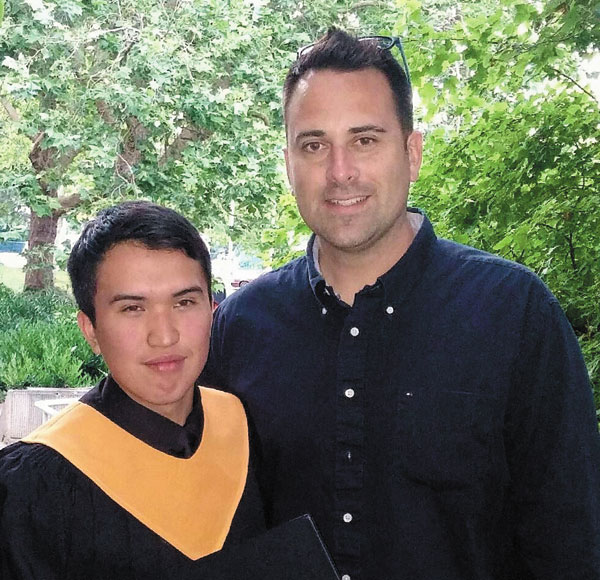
x=366 y=128
x=310 y=133
x=189 y=290
x=353 y=130
x=122 y=297
x=136 y=298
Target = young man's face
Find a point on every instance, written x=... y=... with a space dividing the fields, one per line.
x=348 y=162
x=153 y=318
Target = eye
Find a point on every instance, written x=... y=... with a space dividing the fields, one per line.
x=185 y=303
x=313 y=147
x=366 y=141
x=132 y=308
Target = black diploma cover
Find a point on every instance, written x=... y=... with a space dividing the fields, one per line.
x=290 y=551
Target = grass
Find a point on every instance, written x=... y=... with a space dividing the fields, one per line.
x=15 y=277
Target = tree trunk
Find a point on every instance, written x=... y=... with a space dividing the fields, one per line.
x=39 y=272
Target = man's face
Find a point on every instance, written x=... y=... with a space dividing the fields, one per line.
x=153 y=317
x=348 y=162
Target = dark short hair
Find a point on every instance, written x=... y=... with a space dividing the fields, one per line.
x=148 y=224
x=340 y=51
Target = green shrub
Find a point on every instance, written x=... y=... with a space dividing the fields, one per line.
x=40 y=343
x=19 y=307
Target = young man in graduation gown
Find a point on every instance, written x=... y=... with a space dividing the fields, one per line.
x=146 y=474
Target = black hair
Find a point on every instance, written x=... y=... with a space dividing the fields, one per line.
x=152 y=226
x=340 y=51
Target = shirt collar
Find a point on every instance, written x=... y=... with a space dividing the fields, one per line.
x=396 y=282
x=157 y=431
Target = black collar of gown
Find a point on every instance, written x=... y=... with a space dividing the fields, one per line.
x=108 y=398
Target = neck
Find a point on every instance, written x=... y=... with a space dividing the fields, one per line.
x=348 y=272
x=177 y=411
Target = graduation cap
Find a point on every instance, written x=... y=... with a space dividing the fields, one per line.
x=290 y=551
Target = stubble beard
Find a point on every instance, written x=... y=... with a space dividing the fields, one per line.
x=346 y=233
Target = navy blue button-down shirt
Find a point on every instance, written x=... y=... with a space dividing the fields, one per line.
x=441 y=428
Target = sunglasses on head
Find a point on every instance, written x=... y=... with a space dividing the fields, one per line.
x=382 y=42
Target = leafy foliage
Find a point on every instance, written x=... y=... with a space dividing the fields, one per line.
x=179 y=102
x=165 y=101
x=40 y=343
x=19 y=308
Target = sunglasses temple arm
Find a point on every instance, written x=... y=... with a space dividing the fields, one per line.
x=404 y=62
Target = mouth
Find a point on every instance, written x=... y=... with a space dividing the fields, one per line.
x=347 y=202
x=165 y=363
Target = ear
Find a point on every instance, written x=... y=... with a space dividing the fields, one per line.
x=287 y=168
x=414 y=144
x=88 y=331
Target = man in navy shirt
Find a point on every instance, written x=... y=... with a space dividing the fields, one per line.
x=426 y=402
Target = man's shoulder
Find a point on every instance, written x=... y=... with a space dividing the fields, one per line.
x=21 y=463
x=276 y=285
x=461 y=254
x=484 y=272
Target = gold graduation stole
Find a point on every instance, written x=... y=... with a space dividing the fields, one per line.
x=191 y=502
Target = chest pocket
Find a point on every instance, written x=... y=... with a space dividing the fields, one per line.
x=450 y=439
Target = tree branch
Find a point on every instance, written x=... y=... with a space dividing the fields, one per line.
x=37 y=140
x=562 y=74
x=187 y=136
x=105 y=112
x=259 y=115
x=365 y=4
x=65 y=160
x=66 y=203
x=44 y=159
x=131 y=153
x=10 y=110
x=571 y=250
x=122 y=56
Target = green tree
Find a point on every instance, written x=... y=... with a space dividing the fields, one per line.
x=137 y=99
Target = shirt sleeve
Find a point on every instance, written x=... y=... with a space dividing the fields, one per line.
x=213 y=374
x=553 y=449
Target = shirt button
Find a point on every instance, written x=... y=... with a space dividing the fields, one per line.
x=390 y=310
x=345 y=577
x=354 y=331
x=349 y=393
x=408 y=394
x=324 y=311
x=347 y=518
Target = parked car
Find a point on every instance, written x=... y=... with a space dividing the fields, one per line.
x=249 y=268
x=239 y=282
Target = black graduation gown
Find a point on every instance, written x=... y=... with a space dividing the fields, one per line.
x=57 y=524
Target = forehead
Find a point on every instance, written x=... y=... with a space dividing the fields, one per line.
x=333 y=97
x=131 y=264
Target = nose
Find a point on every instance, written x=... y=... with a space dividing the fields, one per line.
x=342 y=167
x=162 y=330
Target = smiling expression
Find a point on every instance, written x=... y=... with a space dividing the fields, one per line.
x=153 y=317
x=348 y=161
